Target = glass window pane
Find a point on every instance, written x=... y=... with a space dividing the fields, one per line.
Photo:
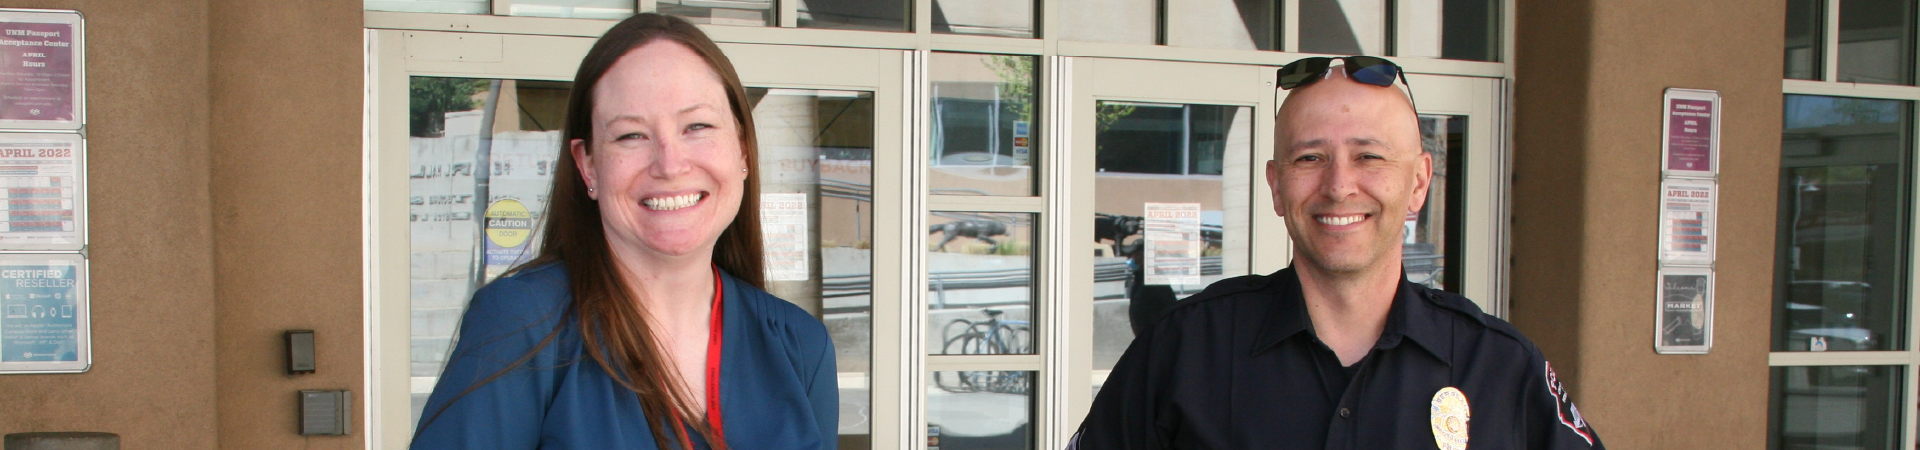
x=1115 y=21
x=985 y=124
x=747 y=13
x=577 y=9
x=1836 y=407
x=980 y=410
x=980 y=286
x=431 y=6
x=1238 y=25
x=1876 y=41
x=1424 y=254
x=1805 y=46
x=1343 y=27
x=446 y=122
x=871 y=15
x=816 y=185
x=1840 y=254
x=1004 y=18
x=1171 y=204
x=1450 y=29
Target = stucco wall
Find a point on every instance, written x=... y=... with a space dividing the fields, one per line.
x=1590 y=75
x=286 y=88
x=153 y=304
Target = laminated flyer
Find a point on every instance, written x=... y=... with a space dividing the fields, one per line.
x=1690 y=133
x=41 y=70
x=783 y=231
x=1173 y=243
x=1685 y=313
x=43 y=313
x=1687 y=214
x=43 y=178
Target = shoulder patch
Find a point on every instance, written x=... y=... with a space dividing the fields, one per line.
x=1569 y=414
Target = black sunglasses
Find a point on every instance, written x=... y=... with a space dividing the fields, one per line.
x=1365 y=69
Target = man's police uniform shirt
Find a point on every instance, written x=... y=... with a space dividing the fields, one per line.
x=1239 y=367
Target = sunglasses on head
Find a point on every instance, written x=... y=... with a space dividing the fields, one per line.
x=1365 y=69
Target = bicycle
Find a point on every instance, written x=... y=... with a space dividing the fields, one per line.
x=994 y=336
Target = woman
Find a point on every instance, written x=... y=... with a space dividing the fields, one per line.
x=640 y=324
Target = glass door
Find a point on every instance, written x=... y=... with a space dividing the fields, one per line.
x=1169 y=196
x=464 y=126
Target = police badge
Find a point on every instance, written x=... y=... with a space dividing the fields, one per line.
x=1450 y=414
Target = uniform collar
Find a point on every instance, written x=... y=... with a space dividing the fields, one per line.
x=1412 y=317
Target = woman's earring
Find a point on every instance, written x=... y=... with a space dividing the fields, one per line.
x=589 y=189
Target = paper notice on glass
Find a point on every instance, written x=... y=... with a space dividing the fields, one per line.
x=783 y=231
x=43 y=313
x=1172 y=231
x=1690 y=143
x=1687 y=214
x=1685 y=315
x=41 y=175
x=40 y=70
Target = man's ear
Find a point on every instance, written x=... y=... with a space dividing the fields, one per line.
x=1273 y=187
x=1422 y=180
x=583 y=161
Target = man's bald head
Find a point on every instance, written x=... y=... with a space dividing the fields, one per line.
x=1339 y=95
x=1347 y=170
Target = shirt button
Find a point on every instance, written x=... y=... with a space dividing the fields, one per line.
x=1345 y=413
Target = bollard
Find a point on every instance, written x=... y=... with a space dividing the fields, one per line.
x=63 y=440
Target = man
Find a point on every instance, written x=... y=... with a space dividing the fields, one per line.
x=1338 y=351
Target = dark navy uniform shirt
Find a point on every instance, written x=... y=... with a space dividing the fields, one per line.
x=1239 y=367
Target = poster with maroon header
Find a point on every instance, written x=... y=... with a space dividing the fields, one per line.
x=40 y=70
x=1690 y=136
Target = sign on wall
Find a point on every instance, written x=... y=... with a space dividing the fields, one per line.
x=42 y=70
x=44 y=313
x=1689 y=210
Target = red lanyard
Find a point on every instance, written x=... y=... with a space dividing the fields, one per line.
x=715 y=337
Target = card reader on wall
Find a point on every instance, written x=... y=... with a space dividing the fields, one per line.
x=300 y=352
x=326 y=413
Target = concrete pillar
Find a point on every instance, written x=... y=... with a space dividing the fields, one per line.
x=1589 y=76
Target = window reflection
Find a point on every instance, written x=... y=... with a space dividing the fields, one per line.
x=985 y=124
x=980 y=286
x=1171 y=205
x=871 y=15
x=1343 y=27
x=1424 y=252
x=980 y=410
x=748 y=13
x=1876 y=41
x=816 y=184
x=579 y=9
x=1236 y=24
x=1806 y=45
x=1836 y=407
x=1003 y=18
x=1843 y=216
x=1115 y=21
x=1450 y=29
x=445 y=151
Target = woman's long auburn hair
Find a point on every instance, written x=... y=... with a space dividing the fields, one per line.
x=613 y=327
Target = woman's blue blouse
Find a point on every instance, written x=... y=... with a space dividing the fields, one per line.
x=778 y=384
